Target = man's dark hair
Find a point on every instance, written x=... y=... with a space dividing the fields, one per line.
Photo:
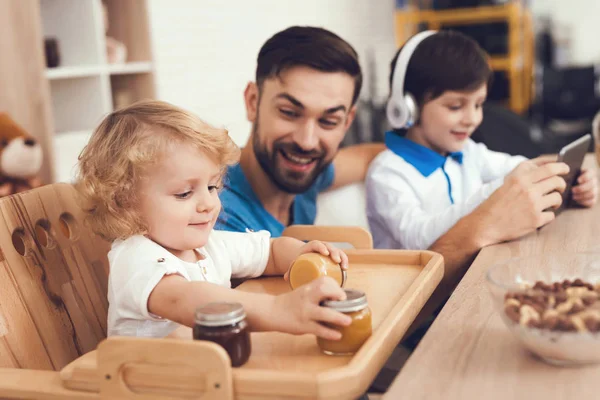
x=312 y=47
x=447 y=60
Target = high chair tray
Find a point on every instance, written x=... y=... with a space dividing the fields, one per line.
x=397 y=283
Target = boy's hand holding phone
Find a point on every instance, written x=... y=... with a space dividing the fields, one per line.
x=585 y=192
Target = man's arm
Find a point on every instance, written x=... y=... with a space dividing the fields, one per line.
x=459 y=246
x=351 y=163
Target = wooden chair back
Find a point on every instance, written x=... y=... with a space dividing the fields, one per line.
x=53 y=280
x=356 y=236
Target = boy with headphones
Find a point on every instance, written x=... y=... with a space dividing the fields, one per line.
x=432 y=173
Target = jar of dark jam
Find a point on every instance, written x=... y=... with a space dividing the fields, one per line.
x=225 y=324
x=353 y=335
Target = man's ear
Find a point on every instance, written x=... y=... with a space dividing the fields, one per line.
x=251 y=101
x=350 y=117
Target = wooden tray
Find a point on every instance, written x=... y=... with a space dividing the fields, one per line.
x=397 y=283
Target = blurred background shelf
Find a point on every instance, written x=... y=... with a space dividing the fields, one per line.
x=93 y=70
x=85 y=86
x=73 y=72
x=512 y=65
x=63 y=76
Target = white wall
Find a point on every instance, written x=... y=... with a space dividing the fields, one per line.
x=577 y=20
x=205 y=50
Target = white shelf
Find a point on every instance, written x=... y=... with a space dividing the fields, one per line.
x=83 y=71
x=130 y=68
x=74 y=72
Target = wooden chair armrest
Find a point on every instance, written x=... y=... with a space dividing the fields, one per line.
x=123 y=367
x=174 y=368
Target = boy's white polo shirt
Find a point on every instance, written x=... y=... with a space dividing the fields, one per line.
x=137 y=264
x=415 y=195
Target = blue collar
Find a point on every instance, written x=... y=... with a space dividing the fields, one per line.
x=425 y=160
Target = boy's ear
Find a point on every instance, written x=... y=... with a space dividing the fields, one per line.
x=421 y=103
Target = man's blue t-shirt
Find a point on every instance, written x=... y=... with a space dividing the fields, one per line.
x=242 y=211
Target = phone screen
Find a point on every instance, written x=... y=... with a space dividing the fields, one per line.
x=573 y=155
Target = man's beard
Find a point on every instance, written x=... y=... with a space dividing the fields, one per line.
x=293 y=182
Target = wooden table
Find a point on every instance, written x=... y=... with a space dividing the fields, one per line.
x=469 y=353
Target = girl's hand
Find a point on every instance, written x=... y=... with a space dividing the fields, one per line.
x=298 y=312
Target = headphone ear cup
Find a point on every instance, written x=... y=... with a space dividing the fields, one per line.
x=396 y=113
x=402 y=109
x=412 y=110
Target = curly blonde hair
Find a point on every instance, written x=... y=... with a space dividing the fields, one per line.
x=123 y=146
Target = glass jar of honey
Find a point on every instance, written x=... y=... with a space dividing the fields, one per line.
x=225 y=324
x=310 y=266
x=353 y=335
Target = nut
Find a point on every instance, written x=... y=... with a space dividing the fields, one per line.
x=551 y=301
x=592 y=325
x=529 y=316
x=512 y=302
x=550 y=319
x=550 y=314
x=578 y=282
x=565 y=307
x=591 y=319
x=581 y=291
x=578 y=323
x=564 y=324
x=560 y=296
x=512 y=311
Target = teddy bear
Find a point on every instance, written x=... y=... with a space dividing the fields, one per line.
x=20 y=158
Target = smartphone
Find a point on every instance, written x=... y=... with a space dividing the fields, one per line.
x=573 y=155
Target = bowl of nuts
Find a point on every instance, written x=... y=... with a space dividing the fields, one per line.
x=551 y=302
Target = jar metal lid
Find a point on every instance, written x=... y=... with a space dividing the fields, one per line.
x=356 y=300
x=220 y=314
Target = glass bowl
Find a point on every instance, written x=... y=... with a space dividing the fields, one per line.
x=516 y=274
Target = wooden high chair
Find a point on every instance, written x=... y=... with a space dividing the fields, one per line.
x=53 y=306
x=53 y=312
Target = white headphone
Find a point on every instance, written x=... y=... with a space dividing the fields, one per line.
x=402 y=109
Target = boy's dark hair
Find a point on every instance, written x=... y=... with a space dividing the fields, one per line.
x=447 y=60
x=312 y=47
